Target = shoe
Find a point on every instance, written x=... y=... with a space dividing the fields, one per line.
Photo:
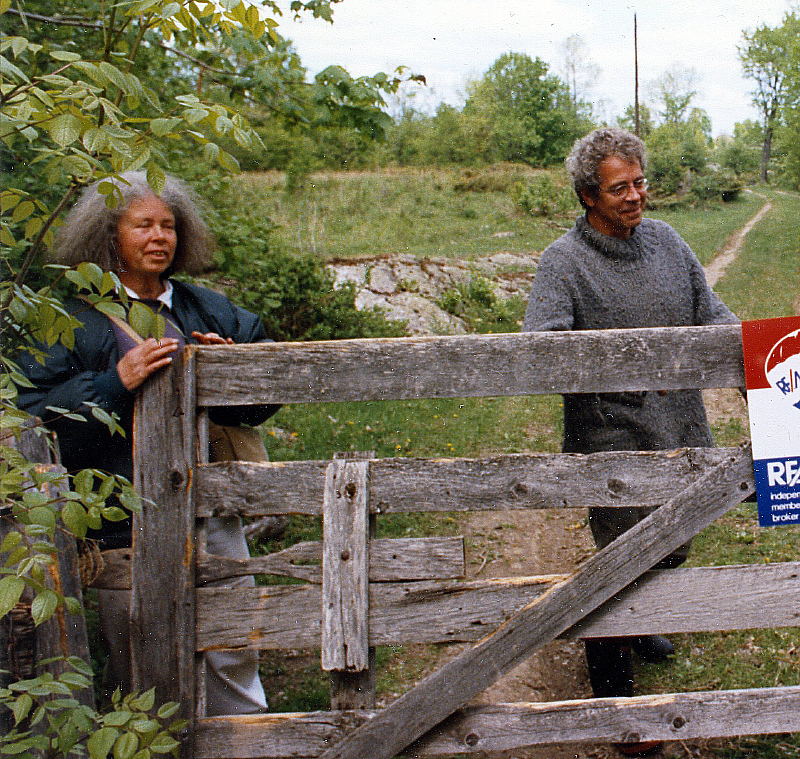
x=641 y=748
x=653 y=648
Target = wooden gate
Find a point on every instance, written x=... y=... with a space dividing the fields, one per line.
x=363 y=595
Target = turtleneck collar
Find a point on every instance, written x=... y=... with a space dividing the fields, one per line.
x=611 y=247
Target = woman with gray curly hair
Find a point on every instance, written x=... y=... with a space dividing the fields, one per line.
x=616 y=269
x=144 y=238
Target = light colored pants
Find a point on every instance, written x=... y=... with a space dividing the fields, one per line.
x=232 y=682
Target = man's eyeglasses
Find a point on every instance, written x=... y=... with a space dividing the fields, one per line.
x=621 y=190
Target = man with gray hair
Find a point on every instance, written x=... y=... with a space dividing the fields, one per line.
x=616 y=269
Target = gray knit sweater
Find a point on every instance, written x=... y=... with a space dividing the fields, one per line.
x=588 y=280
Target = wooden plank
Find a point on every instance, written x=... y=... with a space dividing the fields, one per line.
x=596 y=581
x=345 y=567
x=356 y=690
x=711 y=599
x=591 y=361
x=506 y=727
x=390 y=560
x=516 y=481
x=162 y=595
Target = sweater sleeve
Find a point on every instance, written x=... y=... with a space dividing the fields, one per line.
x=550 y=305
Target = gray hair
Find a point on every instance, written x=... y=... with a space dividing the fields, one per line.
x=589 y=151
x=89 y=232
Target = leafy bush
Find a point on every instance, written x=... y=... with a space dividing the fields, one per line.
x=295 y=296
x=541 y=196
x=480 y=307
x=713 y=185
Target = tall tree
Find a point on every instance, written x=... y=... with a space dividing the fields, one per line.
x=770 y=58
x=529 y=110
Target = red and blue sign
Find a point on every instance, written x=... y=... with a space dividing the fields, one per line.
x=772 y=374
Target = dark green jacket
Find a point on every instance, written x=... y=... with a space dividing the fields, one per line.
x=87 y=372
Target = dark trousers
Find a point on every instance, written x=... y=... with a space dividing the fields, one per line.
x=609 y=659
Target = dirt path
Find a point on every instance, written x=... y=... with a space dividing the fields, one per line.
x=716 y=269
x=519 y=543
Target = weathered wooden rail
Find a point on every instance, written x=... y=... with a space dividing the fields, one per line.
x=360 y=592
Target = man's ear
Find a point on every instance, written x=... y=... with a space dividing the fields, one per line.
x=588 y=198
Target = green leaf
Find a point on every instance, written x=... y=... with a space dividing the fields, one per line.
x=194 y=115
x=126 y=746
x=101 y=742
x=77 y=166
x=160 y=127
x=43 y=606
x=64 y=55
x=83 y=482
x=23 y=211
x=42 y=515
x=80 y=665
x=138 y=160
x=10 y=591
x=4 y=5
x=75 y=679
x=73 y=515
x=141 y=318
x=156 y=178
x=114 y=514
x=165 y=711
x=92 y=272
x=21 y=708
x=118 y=718
x=144 y=725
x=109 y=308
x=145 y=701
x=227 y=161
x=115 y=76
x=65 y=129
x=10 y=541
x=163 y=744
x=10 y=70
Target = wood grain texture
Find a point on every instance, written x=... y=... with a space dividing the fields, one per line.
x=515 y=481
x=591 y=361
x=505 y=727
x=596 y=581
x=162 y=594
x=711 y=599
x=345 y=567
x=390 y=560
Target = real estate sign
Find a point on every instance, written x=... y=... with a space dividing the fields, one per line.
x=772 y=375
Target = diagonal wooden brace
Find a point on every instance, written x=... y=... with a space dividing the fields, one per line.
x=601 y=577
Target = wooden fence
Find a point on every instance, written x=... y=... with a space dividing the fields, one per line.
x=369 y=592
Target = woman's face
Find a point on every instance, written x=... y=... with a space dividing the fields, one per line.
x=146 y=239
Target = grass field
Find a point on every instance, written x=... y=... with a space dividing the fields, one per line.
x=422 y=213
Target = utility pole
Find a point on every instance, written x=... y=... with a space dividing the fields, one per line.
x=636 y=74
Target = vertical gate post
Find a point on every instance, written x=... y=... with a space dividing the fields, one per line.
x=163 y=594
x=345 y=583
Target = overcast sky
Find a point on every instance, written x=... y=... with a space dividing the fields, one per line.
x=453 y=41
